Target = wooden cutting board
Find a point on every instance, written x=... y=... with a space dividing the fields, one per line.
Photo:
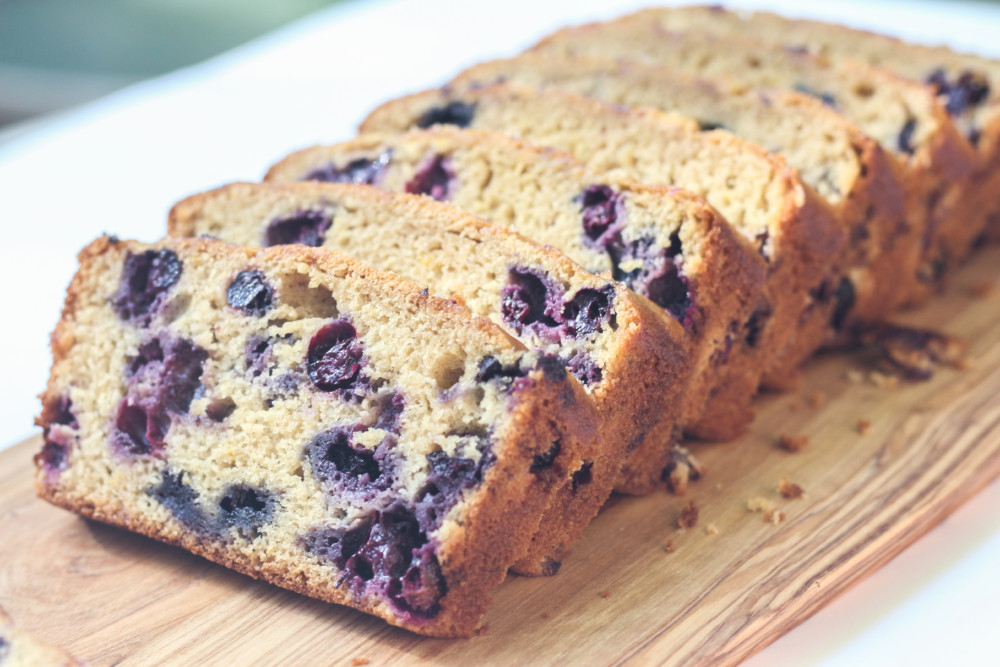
x=636 y=589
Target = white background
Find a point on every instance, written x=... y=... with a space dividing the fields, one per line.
x=118 y=164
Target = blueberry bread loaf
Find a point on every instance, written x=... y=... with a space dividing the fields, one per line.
x=306 y=420
x=967 y=85
x=668 y=246
x=21 y=649
x=904 y=117
x=628 y=354
x=855 y=176
x=753 y=190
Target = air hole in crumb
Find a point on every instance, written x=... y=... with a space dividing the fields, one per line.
x=315 y=301
x=448 y=370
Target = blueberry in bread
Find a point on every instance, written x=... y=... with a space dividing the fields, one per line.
x=630 y=357
x=856 y=177
x=903 y=116
x=752 y=189
x=306 y=420
x=667 y=245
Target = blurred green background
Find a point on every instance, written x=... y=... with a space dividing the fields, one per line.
x=55 y=54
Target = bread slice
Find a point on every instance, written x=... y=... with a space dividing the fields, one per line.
x=904 y=117
x=306 y=420
x=856 y=177
x=629 y=355
x=667 y=245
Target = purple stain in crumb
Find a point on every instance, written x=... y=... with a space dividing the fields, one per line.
x=490 y=368
x=456 y=113
x=334 y=358
x=362 y=171
x=659 y=276
x=435 y=178
x=826 y=98
x=338 y=545
x=339 y=464
x=161 y=381
x=245 y=509
x=250 y=293
x=755 y=325
x=145 y=280
x=305 y=228
x=602 y=211
x=448 y=477
x=844 y=297
x=584 y=368
x=182 y=501
x=588 y=310
x=390 y=407
x=58 y=434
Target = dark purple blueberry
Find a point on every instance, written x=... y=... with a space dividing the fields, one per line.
x=258 y=354
x=62 y=413
x=905 y=141
x=583 y=368
x=449 y=476
x=338 y=464
x=490 y=368
x=527 y=299
x=146 y=277
x=434 y=179
x=305 y=228
x=362 y=171
x=453 y=113
x=390 y=545
x=182 y=501
x=390 y=407
x=844 y=297
x=659 y=278
x=755 y=325
x=968 y=90
x=180 y=378
x=546 y=459
x=161 y=380
x=250 y=293
x=602 y=213
x=4 y=649
x=761 y=240
x=334 y=357
x=827 y=99
x=138 y=432
x=337 y=545
x=583 y=476
x=588 y=310
x=720 y=357
x=245 y=509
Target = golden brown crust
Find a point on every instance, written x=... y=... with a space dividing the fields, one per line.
x=498 y=520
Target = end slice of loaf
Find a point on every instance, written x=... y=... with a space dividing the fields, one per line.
x=306 y=420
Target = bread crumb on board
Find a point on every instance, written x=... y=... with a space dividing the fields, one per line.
x=817 y=399
x=357 y=662
x=864 y=425
x=669 y=547
x=793 y=443
x=688 y=517
x=768 y=509
x=789 y=490
x=605 y=594
x=711 y=529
